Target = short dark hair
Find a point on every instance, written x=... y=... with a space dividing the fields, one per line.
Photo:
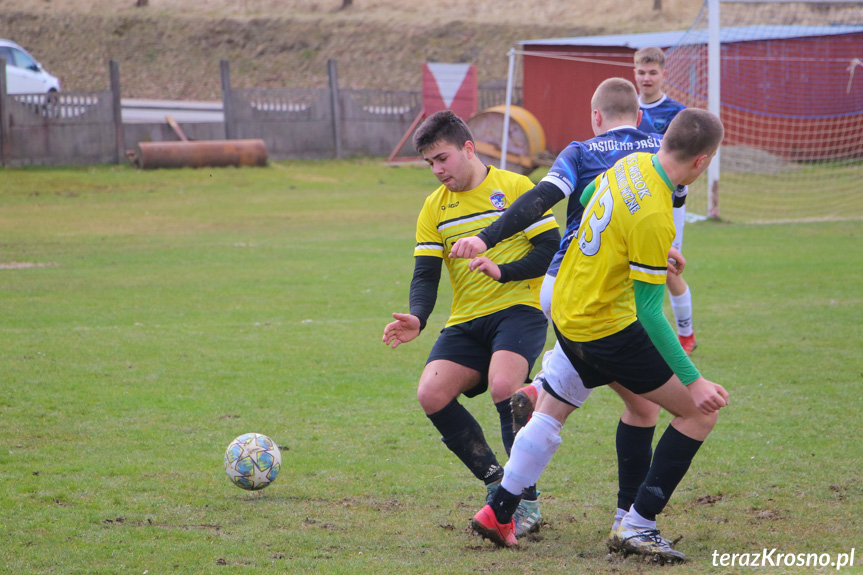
x=616 y=98
x=691 y=133
x=443 y=126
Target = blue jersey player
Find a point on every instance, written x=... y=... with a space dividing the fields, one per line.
x=614 y=115
x=657 y=111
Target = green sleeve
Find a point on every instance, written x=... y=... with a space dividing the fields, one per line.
x=587 y=193
x=648 y=305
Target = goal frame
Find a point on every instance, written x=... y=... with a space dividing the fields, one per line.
x=714 y=75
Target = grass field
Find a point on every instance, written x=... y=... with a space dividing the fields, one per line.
x=151 y=317
x=798 y=193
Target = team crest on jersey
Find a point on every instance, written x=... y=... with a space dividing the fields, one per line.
x=660 y=125
x=498 y=199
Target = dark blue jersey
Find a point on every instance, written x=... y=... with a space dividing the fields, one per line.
x=656 y=116
x=579 y=164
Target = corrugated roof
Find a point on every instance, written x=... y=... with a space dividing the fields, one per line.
x=668 y=39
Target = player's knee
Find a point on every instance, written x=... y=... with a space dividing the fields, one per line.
x=639 y=411
x=502 y=386
x=710 y=420
x=703 y=422
x=432 y=399
x=642 y=413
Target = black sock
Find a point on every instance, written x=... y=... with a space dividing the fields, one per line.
x=504 y=505
x=504 y=411
x=674 y=454
x=462 y=434
x=634 y=452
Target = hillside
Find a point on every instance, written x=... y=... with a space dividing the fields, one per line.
x=167 y=50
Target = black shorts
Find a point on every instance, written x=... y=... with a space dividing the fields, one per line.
x=520 y=329
x=627 y=357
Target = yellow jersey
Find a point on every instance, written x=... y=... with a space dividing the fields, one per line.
x=448 y=216
x=625 y=233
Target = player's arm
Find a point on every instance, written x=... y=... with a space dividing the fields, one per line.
x=524 y=211
x=532 y=265
x=424 y=286
x=648 y=306
x=678 y=199
x=423 y=294
x=707 y=395
x=587 y=193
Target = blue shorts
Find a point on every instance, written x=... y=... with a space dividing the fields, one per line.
x=520 y=329
x=627 y=357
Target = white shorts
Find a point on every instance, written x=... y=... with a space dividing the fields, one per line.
x=556 y=368
x=679 y=220
x=545 y=295
x=562 y=378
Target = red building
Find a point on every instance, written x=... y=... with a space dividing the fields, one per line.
x=790 y=90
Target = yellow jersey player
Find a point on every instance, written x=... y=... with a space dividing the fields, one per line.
x=607 y=314
x=614 y=113
x=496 y=328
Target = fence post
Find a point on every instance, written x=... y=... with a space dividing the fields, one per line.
x=4 y=121
x=227 y=98
x=114 y=71
x=334 y=105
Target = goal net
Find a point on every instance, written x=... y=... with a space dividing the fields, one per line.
x=791 y=100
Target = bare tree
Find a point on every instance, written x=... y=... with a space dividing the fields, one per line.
x=142 y=3
x=657 y=5
x=346 y=4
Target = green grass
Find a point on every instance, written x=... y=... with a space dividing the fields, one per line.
x=180 y=309
x=794 y=192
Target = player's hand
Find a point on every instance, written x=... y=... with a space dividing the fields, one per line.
x=405 y=328
x=484 y=265
x=708 y=396
x=676 y=261
x=468 y=248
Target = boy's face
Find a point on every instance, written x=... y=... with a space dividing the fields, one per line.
x=451 y=165
x=649 y=78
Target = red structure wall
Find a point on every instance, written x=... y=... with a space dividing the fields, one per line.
x=809 y=107
x=558 y=90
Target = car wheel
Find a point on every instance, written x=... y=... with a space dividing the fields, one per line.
x=51 y=108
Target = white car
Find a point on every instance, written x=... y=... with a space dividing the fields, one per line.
x=24 y=75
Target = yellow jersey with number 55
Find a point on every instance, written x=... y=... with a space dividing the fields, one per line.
x=625 y=233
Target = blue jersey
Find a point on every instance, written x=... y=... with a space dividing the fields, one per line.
x=579 y=164
x=656 y=116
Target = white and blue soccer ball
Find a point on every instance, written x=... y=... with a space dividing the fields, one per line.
x=252 y=461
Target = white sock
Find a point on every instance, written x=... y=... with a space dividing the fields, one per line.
x=681 y=306
x=533 y=448
x=636 y=522
x=537 y=383
x=618 y=517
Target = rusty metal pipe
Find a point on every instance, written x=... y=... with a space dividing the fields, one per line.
x=211 y=153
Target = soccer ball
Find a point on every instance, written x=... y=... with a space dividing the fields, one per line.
x=252 y=461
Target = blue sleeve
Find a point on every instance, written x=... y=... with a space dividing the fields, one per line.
x=564 y=172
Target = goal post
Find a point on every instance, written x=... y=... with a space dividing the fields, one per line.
x=714 y=97
x=781 y=76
